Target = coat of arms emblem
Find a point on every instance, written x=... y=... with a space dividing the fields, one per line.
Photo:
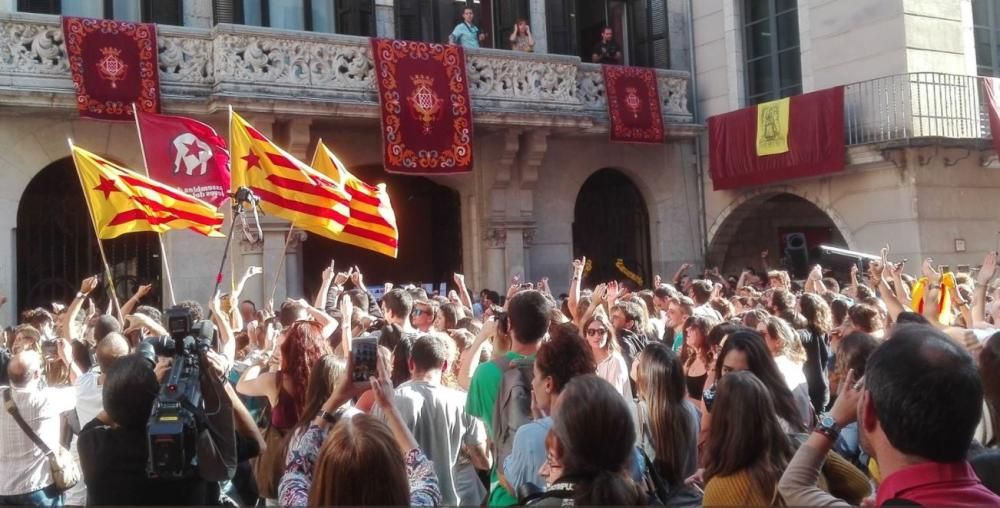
x=424 y=102
x=111 y=66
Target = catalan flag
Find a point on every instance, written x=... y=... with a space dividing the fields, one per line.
x=372 y=223
x=123 y=201
x=287 y=187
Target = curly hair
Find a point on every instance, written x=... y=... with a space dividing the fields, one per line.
x=304 y=345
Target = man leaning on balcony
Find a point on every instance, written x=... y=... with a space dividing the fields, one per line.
x=466 y=33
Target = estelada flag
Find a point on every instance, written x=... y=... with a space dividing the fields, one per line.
x=185 y=153
x=813 y=132
x=991 y=91
x=123 y=201
x=372 y=223
x=114 y=64
x=286 y=186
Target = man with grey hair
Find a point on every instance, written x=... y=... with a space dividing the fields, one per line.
x=24 y=472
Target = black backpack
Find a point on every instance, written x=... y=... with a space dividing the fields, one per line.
x=513 y=405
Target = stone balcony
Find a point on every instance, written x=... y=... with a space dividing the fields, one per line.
x=321 y=75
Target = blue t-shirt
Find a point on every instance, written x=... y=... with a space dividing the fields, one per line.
x=466 y=35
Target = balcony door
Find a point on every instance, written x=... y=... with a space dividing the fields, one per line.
x=640 y=27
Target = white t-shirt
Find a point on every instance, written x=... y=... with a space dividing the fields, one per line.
x=614 y=370
x=89 y=401
x=436 y=416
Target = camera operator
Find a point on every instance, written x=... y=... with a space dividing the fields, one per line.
x=114 y=446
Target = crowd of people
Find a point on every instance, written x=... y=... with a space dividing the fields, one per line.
x=752 y=389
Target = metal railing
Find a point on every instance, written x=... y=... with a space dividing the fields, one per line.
x=915 y=105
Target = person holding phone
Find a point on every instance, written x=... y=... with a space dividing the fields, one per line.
x=332 y=462
x=520 y=38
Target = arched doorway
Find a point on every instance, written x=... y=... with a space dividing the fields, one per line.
x=429 y=220
x=611 y=228
x=789 y=227
x=56 y=246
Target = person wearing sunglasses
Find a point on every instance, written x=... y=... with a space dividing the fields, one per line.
x=611 y=364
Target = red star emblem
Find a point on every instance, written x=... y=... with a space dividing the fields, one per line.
x=251 y=160
x=192 y=149
x=107 y=187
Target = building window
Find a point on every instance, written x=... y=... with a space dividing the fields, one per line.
x=986 y=22
x=650 y=45
x=351 y=17
x=433 y=20
x=771 y=49
x=164 y=12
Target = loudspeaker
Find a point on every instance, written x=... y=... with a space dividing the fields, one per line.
x=797 y=251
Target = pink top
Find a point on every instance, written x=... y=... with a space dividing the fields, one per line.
x=937 y=484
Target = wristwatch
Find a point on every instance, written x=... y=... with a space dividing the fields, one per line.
x=827 y=426
x=331 y=418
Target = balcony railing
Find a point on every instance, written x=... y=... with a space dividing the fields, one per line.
x=915 y=105
x=261 y=69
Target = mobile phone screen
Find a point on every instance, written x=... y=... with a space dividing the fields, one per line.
x=364 y=353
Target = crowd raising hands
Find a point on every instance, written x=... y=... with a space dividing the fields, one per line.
x=753 y=388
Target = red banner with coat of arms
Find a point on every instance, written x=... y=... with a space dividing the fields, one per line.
x=114 y=64
x=633 y=104
x=425 y=107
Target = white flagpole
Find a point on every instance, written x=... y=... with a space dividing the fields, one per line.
x=159 y=236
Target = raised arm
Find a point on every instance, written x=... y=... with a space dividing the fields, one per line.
x=574 y=285
x=470 y=357
x=133 y=302
x=251 y=271
x=463 y=291
x=68 y=324
x=324 y=288
x=983 y=278
x=680 y=274
x=227 y=339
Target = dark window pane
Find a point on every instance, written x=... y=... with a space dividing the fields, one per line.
x=790 y=68
x=981 y=12
x=39 y=6
x=996 y=13
x=983 y=56
x=288 y=14
x=755 y=10
x=252 y=13
x=658 y=17
x=759 y=77
x=788 y=30
x=758 y=39
x=790 y=91
x=164 y=12
x=783 y=5
x=661 y=55
x=352 y=17
x=986 y=71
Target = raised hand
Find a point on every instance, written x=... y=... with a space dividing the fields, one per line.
x=514 y=286
x=459 y=280
x=342 y=277
x=988 y=270
x=357 y=278
x=89 y=284
x=386 y=287
x=578 y=266
x=927 y=268
x=896 y=269
x=816 y=273
x=763 y=254
x=329 y=272
x=613 y=291
x=143 y=290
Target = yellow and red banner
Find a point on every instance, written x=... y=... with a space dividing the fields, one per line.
x=798 y=137
x=123 y=201
x=286 y=186
x=372 y=223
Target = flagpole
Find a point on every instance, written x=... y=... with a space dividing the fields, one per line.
x=281 y=262
x=159 y=235
x=100 y=244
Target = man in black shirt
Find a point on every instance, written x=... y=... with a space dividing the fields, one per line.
x=113 y=446
x=607 y=51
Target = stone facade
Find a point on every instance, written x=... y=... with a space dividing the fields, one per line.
x=541 y=130
x=916 y=184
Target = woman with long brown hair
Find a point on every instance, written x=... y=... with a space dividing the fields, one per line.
x=747 y=448
x=611 y=364
x=697 y=354
x=344 y=459
x=816 y=341
x=285 y=390
x=668 y=422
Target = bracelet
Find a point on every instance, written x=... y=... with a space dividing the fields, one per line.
x=81 y=295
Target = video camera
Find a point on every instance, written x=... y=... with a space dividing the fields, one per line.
x=177 y=416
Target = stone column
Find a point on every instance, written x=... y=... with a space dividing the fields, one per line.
x=385 y=19
x=293 y=265
x=538 y=26
x=495 y=238
x=197 y=13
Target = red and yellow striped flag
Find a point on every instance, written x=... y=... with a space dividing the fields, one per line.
x=286 y=186
x=372 y=223
x=123 y=201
